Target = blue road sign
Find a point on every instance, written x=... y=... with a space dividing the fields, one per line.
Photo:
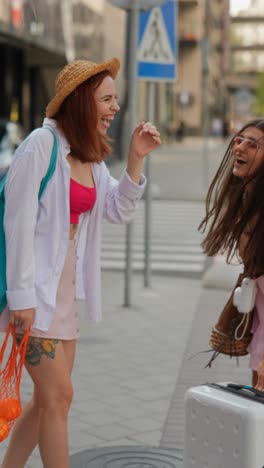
x=157 y=47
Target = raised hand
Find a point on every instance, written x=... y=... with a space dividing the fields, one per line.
x=144 y=140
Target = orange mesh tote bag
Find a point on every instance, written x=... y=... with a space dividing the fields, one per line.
x=11 y=366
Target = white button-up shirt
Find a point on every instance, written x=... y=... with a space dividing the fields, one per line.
x=37 y=232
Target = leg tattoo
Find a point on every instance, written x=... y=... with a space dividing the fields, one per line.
x=38 y=347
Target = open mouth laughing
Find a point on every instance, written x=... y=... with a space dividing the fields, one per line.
x=106 y=121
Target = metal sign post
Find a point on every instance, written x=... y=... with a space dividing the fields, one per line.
x=132 y=99
x=156 y=62
x=205 y=110
x=134 y=6
x=147 y=225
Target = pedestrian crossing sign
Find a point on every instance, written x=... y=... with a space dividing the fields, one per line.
x=156 y=55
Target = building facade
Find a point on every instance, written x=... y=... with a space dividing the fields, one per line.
x=31 y=41
x=200 y=90
x=246 y=59
x=199 y=93
x=37 y=38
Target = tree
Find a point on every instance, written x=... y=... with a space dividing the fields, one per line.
x=259 y=98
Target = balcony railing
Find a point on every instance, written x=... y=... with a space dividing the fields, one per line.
x=187 y=2
x=188 y=39
x=247 y=19
x=242 y=47
x=189 y=34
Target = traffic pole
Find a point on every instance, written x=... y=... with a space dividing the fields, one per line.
x=205 y=103
x=148 y=197
x=132 y=108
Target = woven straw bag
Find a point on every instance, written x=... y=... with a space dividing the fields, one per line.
x=231 y=335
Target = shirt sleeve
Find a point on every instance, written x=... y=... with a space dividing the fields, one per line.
x=29 y=166
x=122 y=198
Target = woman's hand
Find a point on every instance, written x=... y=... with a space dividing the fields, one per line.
x=260 y=379
x=145 y=139
x=22 y=318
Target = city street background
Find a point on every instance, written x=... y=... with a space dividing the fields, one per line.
x=132 y=369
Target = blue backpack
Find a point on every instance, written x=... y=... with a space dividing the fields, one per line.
x=45 y=180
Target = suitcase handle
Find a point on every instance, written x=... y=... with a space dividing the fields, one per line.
x=245 y=391
x=246 y=387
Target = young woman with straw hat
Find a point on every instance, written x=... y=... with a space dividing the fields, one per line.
x=53 y=246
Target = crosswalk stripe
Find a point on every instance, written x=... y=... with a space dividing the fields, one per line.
x=186 y=257
x=175 y=241
x=173 y=268
x=158 y=248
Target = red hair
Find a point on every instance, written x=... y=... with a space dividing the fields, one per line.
x=77 y=117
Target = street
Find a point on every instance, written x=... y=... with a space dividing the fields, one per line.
x=182 y=171
x=179 y=176
x=175 y=242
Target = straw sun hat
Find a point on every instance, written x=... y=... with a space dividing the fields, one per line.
x=74 y=74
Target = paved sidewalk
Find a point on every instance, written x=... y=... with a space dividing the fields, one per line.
x=127 y=366
x=193 y=371
x=133 y=368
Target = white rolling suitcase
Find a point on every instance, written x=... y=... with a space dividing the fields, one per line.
x=224 y=427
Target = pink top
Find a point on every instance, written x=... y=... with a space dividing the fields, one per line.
x=82 y=199
x=256 y=347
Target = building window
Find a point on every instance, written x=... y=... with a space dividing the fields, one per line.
x=248 y=61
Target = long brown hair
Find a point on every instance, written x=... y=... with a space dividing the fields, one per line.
x=230 y=208
x=77 y=117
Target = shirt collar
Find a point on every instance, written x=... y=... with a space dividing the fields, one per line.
x=47 y=122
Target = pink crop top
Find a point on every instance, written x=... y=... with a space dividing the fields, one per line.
x=81 y=199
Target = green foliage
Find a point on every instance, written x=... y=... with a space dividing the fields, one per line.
x=259 y=98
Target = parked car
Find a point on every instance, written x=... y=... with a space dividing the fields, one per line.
x=11 y=135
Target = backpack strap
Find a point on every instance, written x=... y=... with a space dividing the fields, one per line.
x=46 y=178
x=52 y=164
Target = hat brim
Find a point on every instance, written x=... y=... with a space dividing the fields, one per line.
x=112 y=66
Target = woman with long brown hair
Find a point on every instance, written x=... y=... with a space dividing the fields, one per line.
x=53 y=245
x=234 y=222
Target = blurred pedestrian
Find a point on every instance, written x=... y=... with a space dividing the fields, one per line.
x=234 y=218
x=52 y=244
x=226 y=128
x=180 y=131
x=217 y=126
